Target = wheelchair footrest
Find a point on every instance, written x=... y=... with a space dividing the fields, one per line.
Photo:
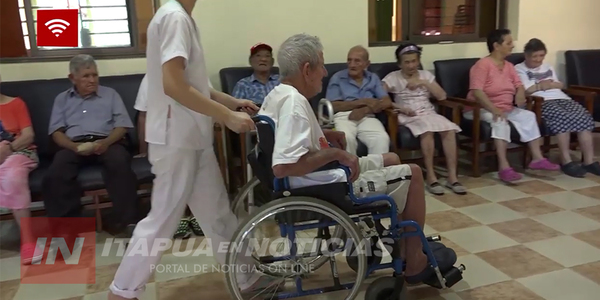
x=450 y=277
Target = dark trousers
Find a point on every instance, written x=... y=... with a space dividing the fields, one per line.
x=62 y=192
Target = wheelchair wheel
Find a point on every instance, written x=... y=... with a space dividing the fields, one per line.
x=383 y=289
x=242 y=207
x=293 y=204
x=374 y=256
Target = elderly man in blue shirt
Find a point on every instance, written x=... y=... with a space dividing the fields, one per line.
x=89 y=123
x=258 y=85
x=357 y=95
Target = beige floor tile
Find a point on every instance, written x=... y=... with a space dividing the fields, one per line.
x=210 y=286
x=525 y=230
x=9 y=288
x=49 y=291
x=569 y=200
x=498 y=193
x=562 y=285
x=537 y=187
x=566 y=250
x=434 y=205
x=460 y=251
x=593 y=192
x=504 y=290
x=570 y=183
x=490 y=213
x=473 y=183
x=590 y=237
x=479 y=239
x=449 y=220
x=519 y=261
x=148 y=294
x=592 y=212
x=590 y=271
x=457 y=201
x=567 y=222
x=478 y=273
x=531 y=206
x=11 y=268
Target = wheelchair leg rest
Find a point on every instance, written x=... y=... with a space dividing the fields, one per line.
x=446 y=279
x=434 y=238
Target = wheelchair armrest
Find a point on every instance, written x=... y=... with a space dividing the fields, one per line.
x=330 y=166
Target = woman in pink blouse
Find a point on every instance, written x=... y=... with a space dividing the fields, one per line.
x=494 y=83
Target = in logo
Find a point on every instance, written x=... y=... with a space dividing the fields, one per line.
x=58 y=28
x=65 y=250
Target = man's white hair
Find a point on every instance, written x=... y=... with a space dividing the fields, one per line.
x=81 y=61
x=296 y=51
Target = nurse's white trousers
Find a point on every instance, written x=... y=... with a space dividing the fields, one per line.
x=183 y=177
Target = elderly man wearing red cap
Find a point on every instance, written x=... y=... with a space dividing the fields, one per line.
x=256 y=86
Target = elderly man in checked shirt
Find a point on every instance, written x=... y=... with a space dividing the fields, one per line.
x=258 y=85
x=90 y=113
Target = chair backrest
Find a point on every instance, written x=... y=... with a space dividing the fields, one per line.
x=261 y=158
x=453 y=75
x=583 y=67
x=516 y=58
x=230 y=76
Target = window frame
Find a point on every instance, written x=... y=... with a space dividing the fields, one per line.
x=407 y=25
x=37 y=55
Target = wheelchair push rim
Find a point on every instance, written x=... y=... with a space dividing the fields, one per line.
x=305 y=204
x=240 y=205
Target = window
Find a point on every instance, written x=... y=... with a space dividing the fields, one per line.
x=433 y=21
x=106 y=27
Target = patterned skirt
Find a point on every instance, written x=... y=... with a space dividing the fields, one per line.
x=429 y=121
x=566 y=115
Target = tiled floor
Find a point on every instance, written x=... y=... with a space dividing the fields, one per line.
x=536 y=239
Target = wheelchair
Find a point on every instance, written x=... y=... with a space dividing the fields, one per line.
x=347 y=224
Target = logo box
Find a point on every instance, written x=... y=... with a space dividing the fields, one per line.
x=69 y=250
x=58 y=28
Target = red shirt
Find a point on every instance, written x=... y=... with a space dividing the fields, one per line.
x=15 y=117
x=500 y=84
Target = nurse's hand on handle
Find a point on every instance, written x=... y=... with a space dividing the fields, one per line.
x=247 y=106
x=239 y=122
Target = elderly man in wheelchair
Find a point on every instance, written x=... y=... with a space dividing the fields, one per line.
x=317 y=185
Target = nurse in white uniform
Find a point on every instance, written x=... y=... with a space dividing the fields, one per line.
x=179 y=131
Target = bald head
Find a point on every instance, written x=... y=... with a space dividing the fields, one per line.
x=358 y=61
x=359 y=50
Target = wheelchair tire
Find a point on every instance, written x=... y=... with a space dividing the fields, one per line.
x=383 y=288
x=371 y=259
x=240 y=209
x=333 y=212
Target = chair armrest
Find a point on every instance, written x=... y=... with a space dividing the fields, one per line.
x=456 y=108
x=534 y=103
x=392 y=127
x=464 y=102
x=585 y=88
x=587 y=96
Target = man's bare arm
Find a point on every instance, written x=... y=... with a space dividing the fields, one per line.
x=63 y=141
x=177 y=87
x=341 y=105
x=115 y=135
x=224 y=99
x=307 y=163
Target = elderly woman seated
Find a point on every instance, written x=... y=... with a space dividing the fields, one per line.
x=17 y=158
x=494 y=84
x=412 y=89
x=561 y=114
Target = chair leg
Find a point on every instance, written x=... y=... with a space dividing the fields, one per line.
x=475 y=163
x=525 y=157
x=98 y=214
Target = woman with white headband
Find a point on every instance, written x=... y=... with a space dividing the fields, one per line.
x=412 y=89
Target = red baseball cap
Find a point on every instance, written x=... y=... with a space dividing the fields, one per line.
x=260 y=46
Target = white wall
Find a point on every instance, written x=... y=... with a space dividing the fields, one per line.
x=230 y=27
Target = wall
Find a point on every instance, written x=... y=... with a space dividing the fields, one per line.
x=230 y=27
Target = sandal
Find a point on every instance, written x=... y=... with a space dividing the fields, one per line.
x=195 y=227
x=509 y=175
x=593 y=168
x=544 y=164
x=435 y=188
x=457 y=188
x=183 y=230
